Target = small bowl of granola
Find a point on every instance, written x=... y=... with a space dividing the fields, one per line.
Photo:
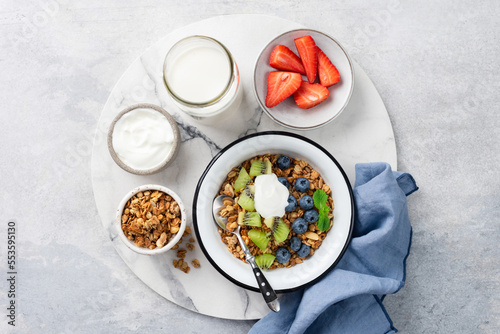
x=291 y=202
x=151 y=219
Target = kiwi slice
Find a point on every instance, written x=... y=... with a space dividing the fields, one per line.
x=246 y=200
x=259 y=167
x=249 y=219
x=278 y=227
x=242 y=180
x=280 y=231
x=259 y=238
x=264 y=261
x=269 y=222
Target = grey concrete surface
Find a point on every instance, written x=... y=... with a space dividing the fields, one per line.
x=435 y=65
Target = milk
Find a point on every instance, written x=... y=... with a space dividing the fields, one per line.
x=202 y=78
x=200 y=74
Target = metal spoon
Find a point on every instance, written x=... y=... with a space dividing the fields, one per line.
x=264 y=286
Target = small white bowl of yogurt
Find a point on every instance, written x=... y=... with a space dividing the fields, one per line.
x=143 y=139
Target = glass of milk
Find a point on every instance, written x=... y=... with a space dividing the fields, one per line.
x=202 y=77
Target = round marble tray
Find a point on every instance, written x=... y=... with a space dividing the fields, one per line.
x=363 y=133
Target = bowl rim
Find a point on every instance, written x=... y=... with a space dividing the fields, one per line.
x=130 y=244
x=170 y=156
x=212 y=162
x=263 y=106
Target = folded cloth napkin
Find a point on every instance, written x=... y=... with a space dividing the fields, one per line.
x=349 y=298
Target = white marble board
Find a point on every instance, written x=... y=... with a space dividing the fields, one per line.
x=363 y=133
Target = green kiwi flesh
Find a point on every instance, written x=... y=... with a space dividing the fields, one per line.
x=259 y=167
x=242 y=180
x=280 y=231
x=264 y=261
x=278 y=227
x=249 y=219
x=246 y=199
x=259 y=238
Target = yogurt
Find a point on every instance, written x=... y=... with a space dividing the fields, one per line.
x=200 y=72
x=271 y=196
x=142 y=138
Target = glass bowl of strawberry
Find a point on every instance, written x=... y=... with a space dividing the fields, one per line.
x=303 y=79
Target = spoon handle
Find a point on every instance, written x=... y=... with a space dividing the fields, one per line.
x=265 y=288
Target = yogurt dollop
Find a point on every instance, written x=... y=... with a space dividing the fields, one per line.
x=142 y=138
x=271 y=196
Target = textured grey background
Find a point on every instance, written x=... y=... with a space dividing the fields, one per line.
x=435 y=65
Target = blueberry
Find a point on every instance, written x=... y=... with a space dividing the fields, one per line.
x=311 y=216
x=302 y=184
x=303 y=251
x=284 y=181
x=295 y=244
x=299 y=225
x=306 y=202
x=283 y=255
x=292 y=204
x=283 y=162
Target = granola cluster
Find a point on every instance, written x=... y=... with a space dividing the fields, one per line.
x=181 y=263
x=313 y=237
x=151 y=219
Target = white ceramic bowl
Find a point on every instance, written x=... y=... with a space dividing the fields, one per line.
x=287 y=113
x=130 y=244
x=334 y=245
x=169 y=158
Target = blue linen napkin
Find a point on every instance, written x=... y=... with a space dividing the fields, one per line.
x=349 y=298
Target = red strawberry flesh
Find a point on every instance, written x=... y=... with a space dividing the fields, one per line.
x=309 y=95
x=282 y=58
x=281 y=85
x=327 y=72
x=307 y=51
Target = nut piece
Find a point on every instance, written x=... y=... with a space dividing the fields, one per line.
x=311 y=235
x=228 y=190
x=196 y=263
x=161 y=241
x=182 y=265
x=181 y=253
x=187 y=231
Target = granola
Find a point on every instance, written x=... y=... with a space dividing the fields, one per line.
x=181 y=263
x=151 y=218
x=313 y=237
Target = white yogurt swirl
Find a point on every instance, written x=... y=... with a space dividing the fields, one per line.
x=271 y=196
x=142 y=138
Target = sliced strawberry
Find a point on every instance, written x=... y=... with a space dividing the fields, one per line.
x=309 y=95
x=281 y=85
x=307 y=51
x=327 y=72
x=282 y=58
